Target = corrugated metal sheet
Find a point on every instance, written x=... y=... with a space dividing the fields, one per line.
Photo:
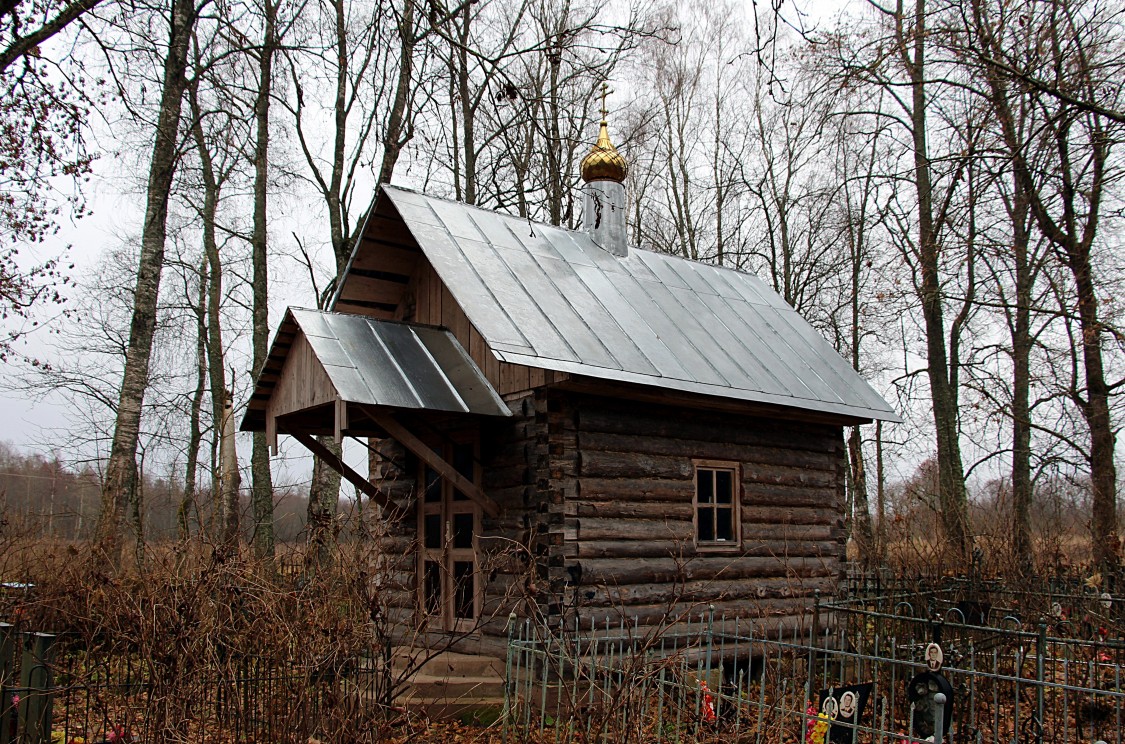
x=383 y=363
x=551 y=298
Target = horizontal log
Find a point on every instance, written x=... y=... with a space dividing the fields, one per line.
x=675 y=637
x=508 y=477
x=618 y=509
x=671 y=614
x=633 y=548
x=687 y=550
x=512 y=497
x=764 y=494
x=634 y=489
x=788 y=532
x=596 y=464
x=780 y=475
x=752 y=590
x=628 y=465
x=786 y=515
x=694 y=448
x=702 y=427
x=761 y=502
x=668 y=569
x=598 y=528
x=757 y=520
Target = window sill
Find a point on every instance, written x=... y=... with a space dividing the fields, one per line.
x=731 y=548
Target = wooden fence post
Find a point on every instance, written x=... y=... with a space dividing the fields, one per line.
x=7 y=667
x=35 y=679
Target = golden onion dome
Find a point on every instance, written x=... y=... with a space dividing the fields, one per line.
x=604 y=162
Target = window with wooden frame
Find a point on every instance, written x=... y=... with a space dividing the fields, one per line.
x=717 y=523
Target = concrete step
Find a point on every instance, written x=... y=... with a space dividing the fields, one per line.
x=456 y=687
x=481 y=711
x=447 y=663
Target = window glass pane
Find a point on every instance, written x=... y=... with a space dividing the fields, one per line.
x=464 y=580
x=724 y=524
x=706 y=525
x=724 y=486
x=431 y=587
x=705 y=485
x=431 y=525
x=463 y=530
x=433 y=486
x=463 y=459
x=463 y=464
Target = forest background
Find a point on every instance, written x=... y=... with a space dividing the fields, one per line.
x=936 y=186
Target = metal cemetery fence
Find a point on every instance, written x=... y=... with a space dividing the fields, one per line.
x=53 y=690
x=718 y=678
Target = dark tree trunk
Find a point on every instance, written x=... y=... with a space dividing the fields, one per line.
x=861 y=509
x=953 y=499
x=262 y=491
x=120 y=484
x=1021 y=387
x=399 y=129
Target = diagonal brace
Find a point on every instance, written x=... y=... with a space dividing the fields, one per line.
x=365 y=486
x=407 y=439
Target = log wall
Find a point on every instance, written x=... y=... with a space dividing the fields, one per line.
x=622 y=476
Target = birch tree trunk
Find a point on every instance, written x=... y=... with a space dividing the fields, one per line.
x=195 y=433
x=120 y=484
x=230 y=479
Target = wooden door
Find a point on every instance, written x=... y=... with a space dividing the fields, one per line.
x=448 y=530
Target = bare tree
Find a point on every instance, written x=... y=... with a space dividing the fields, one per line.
x=897 y=63
x=1069 y=46
x=121 y=470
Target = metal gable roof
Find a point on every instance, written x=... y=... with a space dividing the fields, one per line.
x=551 y=298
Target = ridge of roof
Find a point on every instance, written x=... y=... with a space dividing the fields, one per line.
x=549 y=226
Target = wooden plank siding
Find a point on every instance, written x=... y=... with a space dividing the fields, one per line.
x=624 y=479
x=302 y=384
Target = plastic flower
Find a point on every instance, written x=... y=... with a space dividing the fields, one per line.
x=817 y=727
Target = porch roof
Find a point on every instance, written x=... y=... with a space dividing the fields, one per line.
x=374 y=363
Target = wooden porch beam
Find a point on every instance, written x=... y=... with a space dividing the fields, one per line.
x=365 y=486
x=407 y=439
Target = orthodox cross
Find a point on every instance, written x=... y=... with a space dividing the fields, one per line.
x=605 y=92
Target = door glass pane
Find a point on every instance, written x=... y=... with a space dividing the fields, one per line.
x=431 y=587
x=464 y=587
x=724 y=486
x=431 y=525
x=463 y=530
x=433 y=486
